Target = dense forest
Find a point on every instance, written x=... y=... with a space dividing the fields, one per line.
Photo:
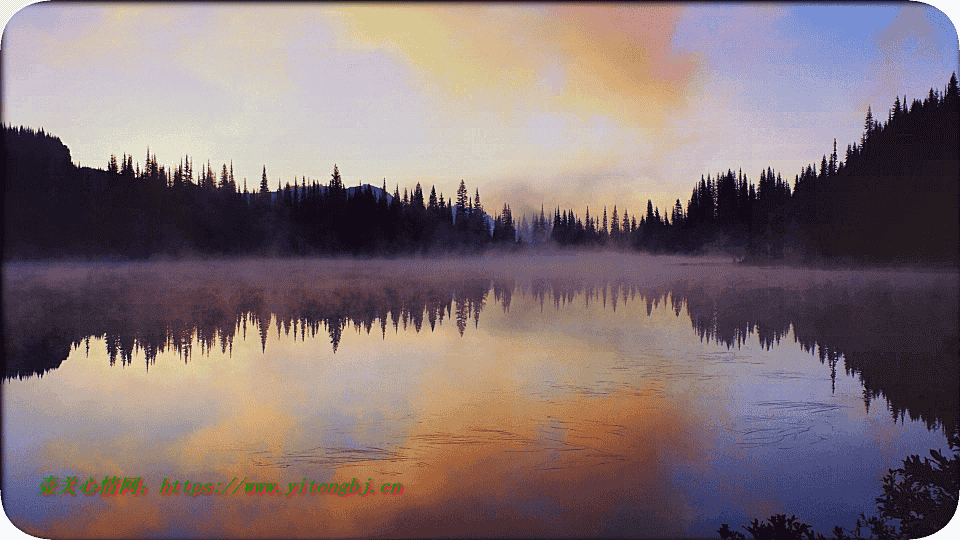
x=893 y=198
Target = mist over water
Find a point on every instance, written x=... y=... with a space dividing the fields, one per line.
x=564 y=394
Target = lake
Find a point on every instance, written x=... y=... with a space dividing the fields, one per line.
x=559 y=395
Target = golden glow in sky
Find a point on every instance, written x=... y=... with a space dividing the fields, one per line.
x=562 y=105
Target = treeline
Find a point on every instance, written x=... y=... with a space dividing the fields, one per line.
x=893 y=198
x=54 y=209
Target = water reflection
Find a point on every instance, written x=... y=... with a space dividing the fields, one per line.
x=901 y=343
x=520 y=400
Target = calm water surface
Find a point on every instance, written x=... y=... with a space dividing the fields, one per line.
x=547 y=396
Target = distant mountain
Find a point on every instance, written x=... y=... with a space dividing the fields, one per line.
x=377 y=192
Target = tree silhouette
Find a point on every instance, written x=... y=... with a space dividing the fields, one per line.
x=892 y=199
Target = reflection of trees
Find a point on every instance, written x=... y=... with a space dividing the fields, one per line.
x=901 y=345
x=40 y=332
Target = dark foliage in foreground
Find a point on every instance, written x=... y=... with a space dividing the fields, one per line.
x=918 y=500
x=892 y=199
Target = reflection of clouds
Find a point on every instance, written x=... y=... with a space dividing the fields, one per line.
x=329 y=457
x=554 y=436
x=448 y=444
x=572 y=417
x=789 y=424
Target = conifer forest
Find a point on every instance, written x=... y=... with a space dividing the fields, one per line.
x=890 y=197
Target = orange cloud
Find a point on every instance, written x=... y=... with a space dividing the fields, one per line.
x=623 y=60
x=613 y=60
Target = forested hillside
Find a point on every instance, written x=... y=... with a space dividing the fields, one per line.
x=891 y=198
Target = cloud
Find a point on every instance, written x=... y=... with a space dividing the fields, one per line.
x=907 y=47
x=620 y=102
x=244 y=50
x=615 y=61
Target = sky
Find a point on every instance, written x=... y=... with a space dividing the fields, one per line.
x=531 y=104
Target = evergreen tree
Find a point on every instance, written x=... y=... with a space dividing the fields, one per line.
x=603 y=226
x=591 y=230
x=224 y=178
x=677 y=216
x=868 y=126
x=461 y=208
x=476 y=202
x=615 y=226
x=833 y=159
x=336 y=183
x=417 y=200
